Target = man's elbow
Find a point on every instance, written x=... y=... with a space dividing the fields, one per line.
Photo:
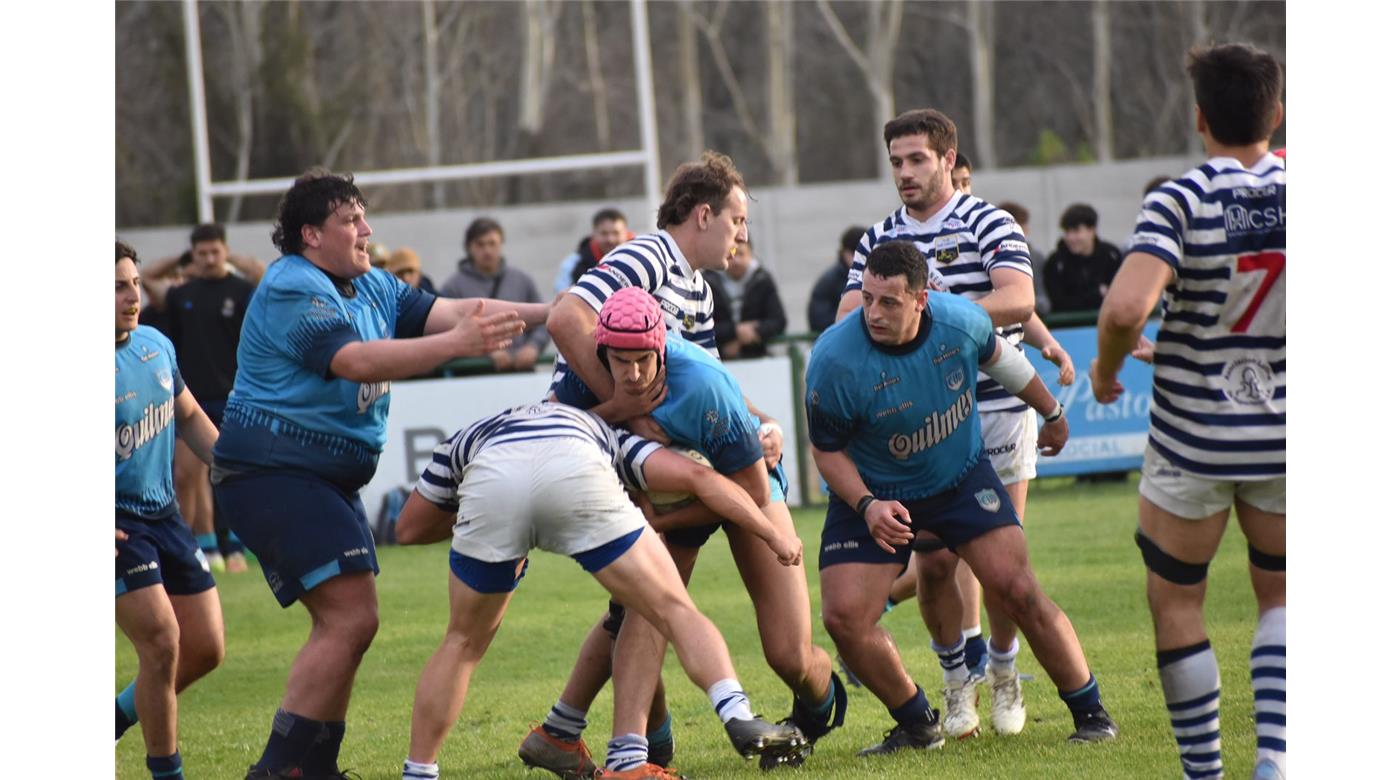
x=1118 y=315
x=352 y=365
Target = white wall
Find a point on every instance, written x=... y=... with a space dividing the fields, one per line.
x=795 y=230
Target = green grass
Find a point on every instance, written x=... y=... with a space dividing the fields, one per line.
x=1081 y=546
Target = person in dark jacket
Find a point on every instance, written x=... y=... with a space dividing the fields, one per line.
x=1078 y=272
x=748 y=311
x=826 y=293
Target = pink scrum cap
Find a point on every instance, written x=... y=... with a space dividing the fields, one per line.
x=631 y=319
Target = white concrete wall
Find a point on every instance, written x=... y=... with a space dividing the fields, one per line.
x=795 y=230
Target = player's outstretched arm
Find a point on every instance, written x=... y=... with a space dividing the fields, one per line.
x=194 y=427
x=1135 y=291
x=422 y=522
x=570 y=324
x=1038 y=335
x=447 y=312
x=385 y=359
x=666 y=470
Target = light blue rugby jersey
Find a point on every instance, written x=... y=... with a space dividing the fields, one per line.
x=654 y=263
x=1219 y=398
x=148 y=380
x=963 y=243
x=907 y=415
x=531 y=422
x=286 y=410
x=703 y=409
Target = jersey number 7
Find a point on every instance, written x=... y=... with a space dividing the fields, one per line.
x=1272 y=264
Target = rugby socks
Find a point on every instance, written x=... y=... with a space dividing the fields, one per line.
x=916 y=711
x=628 y=751
x=660 y=741
x=954 y=661
x=1191 y=685
x=412 y=770
x=325 y=749
x=976 y=650
x=1002 y=660
x=209 y=543
x=290 y=741
x=126 y=709
x=729 y=701
x=1084 y=701
x=566 y=722
x=166 y=767
x=1268 y=671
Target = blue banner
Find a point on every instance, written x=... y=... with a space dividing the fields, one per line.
x=1101 y=438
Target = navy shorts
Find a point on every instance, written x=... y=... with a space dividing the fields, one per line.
x=303 y=529
x=959 y=514
x=503 y=576
x=696 y=536
x=160 y=552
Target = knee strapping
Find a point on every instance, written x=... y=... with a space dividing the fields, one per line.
x=1265 y=561
x=1166 y=566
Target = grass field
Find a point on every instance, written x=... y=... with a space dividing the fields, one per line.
x=1081 y=546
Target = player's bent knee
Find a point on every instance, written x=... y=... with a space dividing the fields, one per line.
x=1262 y=560
x=1167 y=566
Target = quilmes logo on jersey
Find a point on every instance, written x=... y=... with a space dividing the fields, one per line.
x=935 y=429
x=154 y=419
x=369 y=393
x=955 y=379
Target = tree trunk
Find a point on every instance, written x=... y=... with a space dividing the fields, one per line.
x=432 y=88
x=597 y=86
x=981 y=22
x=1103 y=94
x=692 y=118
x=782 y=111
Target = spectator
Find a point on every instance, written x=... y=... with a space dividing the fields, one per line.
x=962 y=176
x=748 y=311
x=378 y=254
x=156 y=283
x=404 y=264
x=1023 y=218
x=1078 y=272
x=483 y=274
x=609 y=230
x=206 y=319
x=826 y=293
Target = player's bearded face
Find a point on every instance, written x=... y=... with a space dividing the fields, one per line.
x=128 y=289
x=920 y=174
x=633 y=369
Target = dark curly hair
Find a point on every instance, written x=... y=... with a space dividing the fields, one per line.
x=707 y=182
x=312 y=198
x=124 y=250
x=899 y=258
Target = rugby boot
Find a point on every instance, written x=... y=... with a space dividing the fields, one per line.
x=569 y=760
x=1008 y=705
x=813 y=725
x=1094 y=726
x=774 y=743
x=961 y=698
x=908 y=736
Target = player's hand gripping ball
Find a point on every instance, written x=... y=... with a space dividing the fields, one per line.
x=664 y=501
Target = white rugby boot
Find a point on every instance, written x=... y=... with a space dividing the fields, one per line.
x=1008 y=706
x=960 y=703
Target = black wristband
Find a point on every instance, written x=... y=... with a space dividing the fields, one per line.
x=1057 y=414
x=864 y=504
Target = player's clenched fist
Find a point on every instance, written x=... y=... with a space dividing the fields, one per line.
x=889 y=524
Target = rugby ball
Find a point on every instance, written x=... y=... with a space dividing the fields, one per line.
x=664 y=501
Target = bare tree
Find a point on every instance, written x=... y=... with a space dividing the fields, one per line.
x=875 y=60
x=981 y=24
x=597 y=85
x=1103 y=96
x=692 y=107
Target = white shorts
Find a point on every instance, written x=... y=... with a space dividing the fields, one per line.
x=1195 y=497
x=1008 y=438
x=560 y=495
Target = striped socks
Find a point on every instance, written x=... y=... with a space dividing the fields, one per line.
x=628 y=751
x=953 y=660
x=1268 y=671
x=412 y=770
x=565 y=722
x=1191 y=685
x=729 y=701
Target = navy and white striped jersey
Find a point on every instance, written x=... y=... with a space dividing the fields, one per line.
x=963 y=242
x=531 y=422
x=1218 y=389
x=654 y=263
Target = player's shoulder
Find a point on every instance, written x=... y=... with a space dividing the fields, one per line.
x=692 y=361
x=293 y=273
x=843 y=342
x=145 y=334
x=959 y=313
